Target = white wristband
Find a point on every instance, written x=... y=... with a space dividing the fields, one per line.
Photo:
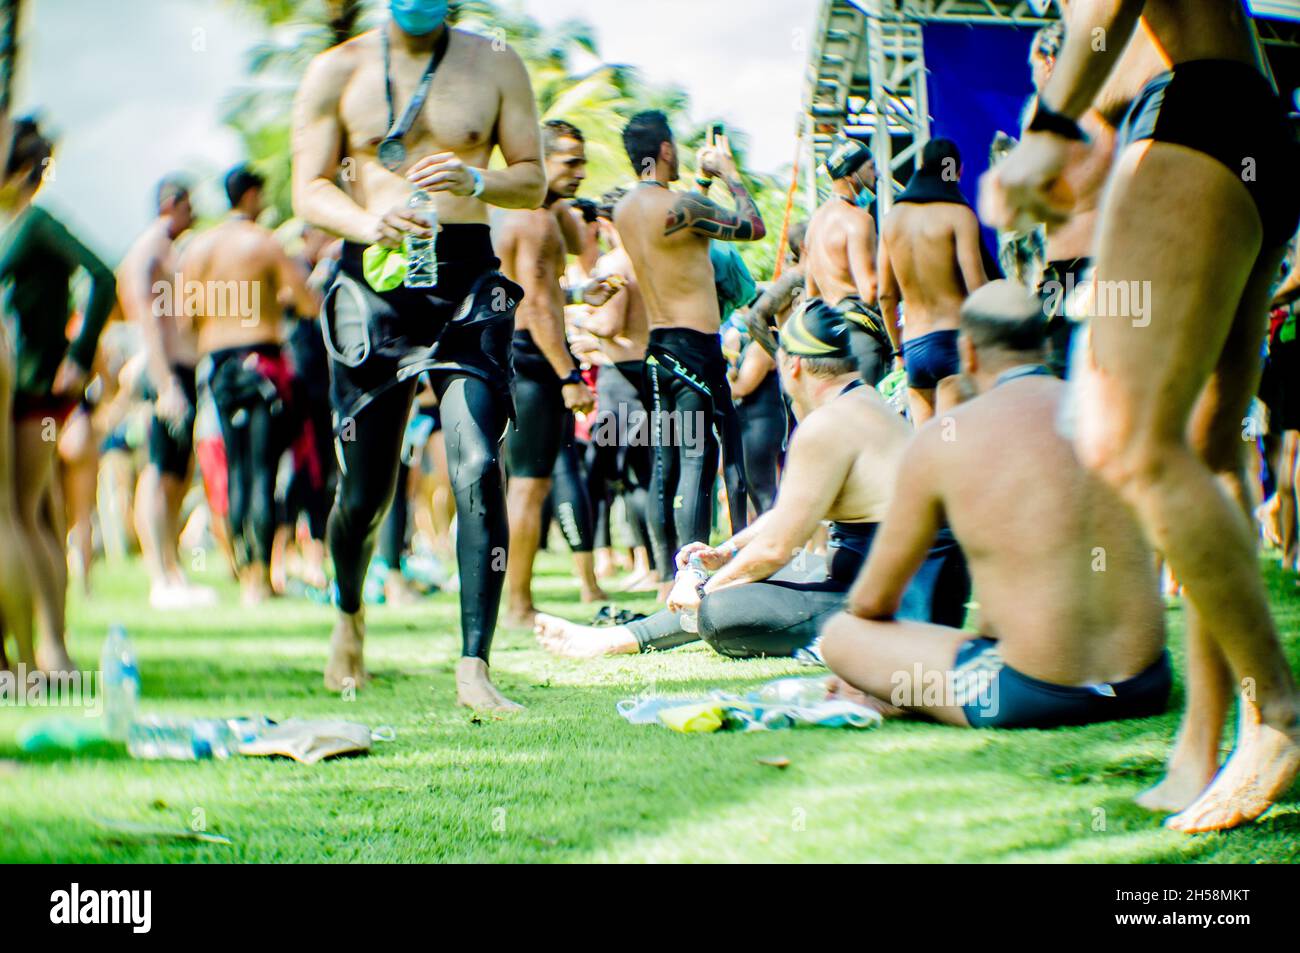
x=479 y=183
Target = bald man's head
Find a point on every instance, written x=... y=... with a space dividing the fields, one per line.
x=1004 y=316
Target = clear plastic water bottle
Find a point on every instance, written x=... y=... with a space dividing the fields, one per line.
x=688 y=581
x=800 y=692
x=119 y=683
x=200 y=739
x=422 y=253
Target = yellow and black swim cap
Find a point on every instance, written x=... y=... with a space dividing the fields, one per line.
x=816 y=330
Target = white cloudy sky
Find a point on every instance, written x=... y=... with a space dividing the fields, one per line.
x=134 y=90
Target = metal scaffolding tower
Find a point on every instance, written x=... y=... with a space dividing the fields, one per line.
x=866 y=78
x=866 y=74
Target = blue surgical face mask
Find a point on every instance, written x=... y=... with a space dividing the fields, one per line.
x=865 y=198
x=418 y=17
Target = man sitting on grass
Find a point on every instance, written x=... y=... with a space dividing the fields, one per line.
x=1072 y=627
x=765 y=598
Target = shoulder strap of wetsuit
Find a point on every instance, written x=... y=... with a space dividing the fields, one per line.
x=1024 y=370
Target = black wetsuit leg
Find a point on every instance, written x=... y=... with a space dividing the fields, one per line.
x=697 y=452
x=370 y=459
x=569 y=493
x=691 y=411
x=392 y=537
x=773 y=618
x=459 y=333
x=664 y=473
x=600 y=464
x=253 y=440
x=474 y=421
x=764 y=428
x=239 y=482
x=311 y=494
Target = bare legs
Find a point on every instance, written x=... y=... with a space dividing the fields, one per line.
x=79 y=457
x=877 y=658
x=34 y=442
x=15 y=579
x=1204 y=288
x=924 y=404
x=524 y=498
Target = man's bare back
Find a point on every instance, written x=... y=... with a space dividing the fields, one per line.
x=875 y=437
x=244 y=276
x=676 y=275
x=150 y=260
x=531 y=247
x=930 y=258
x=840 y=255
x=1066 y=582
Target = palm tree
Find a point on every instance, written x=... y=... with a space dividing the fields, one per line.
x=262 y=113
x=9 y=13
x=569 y=80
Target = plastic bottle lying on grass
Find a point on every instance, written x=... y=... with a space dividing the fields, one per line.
x=170 y=739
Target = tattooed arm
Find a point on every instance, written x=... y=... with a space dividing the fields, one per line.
x=771 y=304
x=694 y=211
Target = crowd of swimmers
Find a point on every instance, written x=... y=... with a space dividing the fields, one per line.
x=970 y=496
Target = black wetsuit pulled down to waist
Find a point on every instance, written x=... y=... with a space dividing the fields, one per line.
x=463 y=325
x=692 y=417
x=248 y=385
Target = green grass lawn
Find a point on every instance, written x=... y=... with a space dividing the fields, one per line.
x=569 y=780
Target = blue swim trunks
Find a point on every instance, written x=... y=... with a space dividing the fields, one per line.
x=930 y=358
x=995 y=695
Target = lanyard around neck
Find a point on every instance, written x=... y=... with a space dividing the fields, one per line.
x=413 y=108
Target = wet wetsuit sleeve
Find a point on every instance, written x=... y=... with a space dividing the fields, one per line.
x=57 y=240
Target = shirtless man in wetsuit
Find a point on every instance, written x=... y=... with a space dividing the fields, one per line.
x=931 y=258
x=1034 y=524
x=620 y=331
x=549 y=388
x=247 y=279
x=840 y=256
x=479 y=99
x=666 y=235
x=171 y=353
x=1196 y=217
